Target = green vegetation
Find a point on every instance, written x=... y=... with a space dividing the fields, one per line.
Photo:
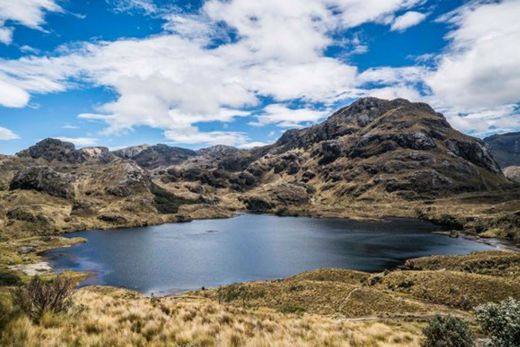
x=447 y=331
x=501 y=321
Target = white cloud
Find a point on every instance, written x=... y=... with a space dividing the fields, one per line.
x=80 y=141
x=407 y=20
x=147 y=6
x=480 y=72
x=289 y=118
x=395 y=92
x=29 y=13
x=175 y=80
x=252 y=144
x=6 y=35
x=193 y=136
x=356 y=12
x=6 y=134
x=11 y=95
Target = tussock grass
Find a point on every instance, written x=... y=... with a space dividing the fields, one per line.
x=326 y=292
x=115 y=317
x=494 y=263
x=452 y=288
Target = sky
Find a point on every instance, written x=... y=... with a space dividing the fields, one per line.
x=197 y=73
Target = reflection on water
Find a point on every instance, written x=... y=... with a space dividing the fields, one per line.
x=175 y=257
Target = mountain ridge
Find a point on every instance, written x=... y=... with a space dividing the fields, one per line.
x=368 y=154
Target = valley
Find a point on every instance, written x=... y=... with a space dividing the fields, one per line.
x=370 y=161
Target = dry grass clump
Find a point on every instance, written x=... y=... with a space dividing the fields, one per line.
x=115 y=317
x=494 y=263
x=452 y=288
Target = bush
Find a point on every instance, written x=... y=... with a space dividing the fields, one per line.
x=288 y=308
x=501 y=321
x=39 y=297
x=447 y=332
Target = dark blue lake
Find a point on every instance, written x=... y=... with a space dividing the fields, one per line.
x=175 y=257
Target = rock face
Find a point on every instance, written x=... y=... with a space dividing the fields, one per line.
x=505 y=148
x=44 y=179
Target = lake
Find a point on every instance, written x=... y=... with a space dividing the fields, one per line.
x=175 y=257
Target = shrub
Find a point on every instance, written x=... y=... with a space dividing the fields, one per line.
x=288 y=308
x=501 y=321
x=38 y=296
x=447 y=332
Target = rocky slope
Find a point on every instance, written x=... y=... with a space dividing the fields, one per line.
x=151 y=157
x=373 y=158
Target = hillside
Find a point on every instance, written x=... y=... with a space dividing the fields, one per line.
x=371 y=159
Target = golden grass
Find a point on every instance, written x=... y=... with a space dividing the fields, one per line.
x=114 y=317
x=495 y=263
x=452 y=288
x=331 y=292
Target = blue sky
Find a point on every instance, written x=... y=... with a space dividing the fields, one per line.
x=239 y=72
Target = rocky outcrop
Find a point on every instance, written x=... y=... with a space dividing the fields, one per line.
x=27 y=214
x=473 y=151
x=44 y=179
x=134 y=180
x=101 y=154
x=53 y=149
x=513 y=173
x=112 y=218
x=505 y=148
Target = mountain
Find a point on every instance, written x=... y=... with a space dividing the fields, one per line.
x=370 y=149
x=372 y=158
x=505 y=148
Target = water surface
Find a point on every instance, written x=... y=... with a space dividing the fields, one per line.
x=175 y=257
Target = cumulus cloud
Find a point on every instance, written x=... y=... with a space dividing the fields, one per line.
x=6 y=134
x=480 y=72
x=407 y=20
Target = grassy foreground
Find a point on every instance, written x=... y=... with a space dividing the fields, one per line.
x=326 y=307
